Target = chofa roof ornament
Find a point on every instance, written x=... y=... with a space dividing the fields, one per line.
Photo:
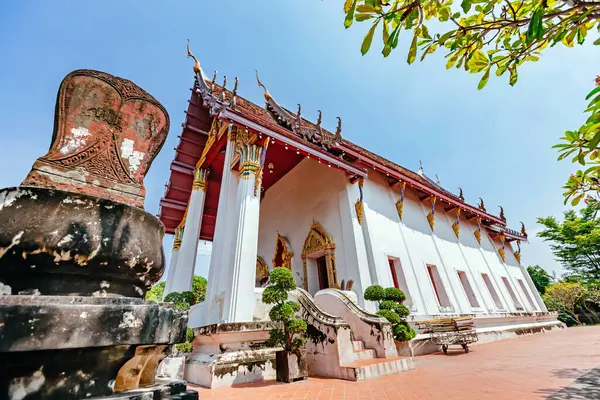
x=311 y=132
x=214 y=104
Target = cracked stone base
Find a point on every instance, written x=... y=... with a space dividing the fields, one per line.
x=69 y=347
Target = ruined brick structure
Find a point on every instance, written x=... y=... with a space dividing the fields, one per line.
x=78 y=253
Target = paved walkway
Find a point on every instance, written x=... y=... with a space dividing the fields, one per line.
x=529 y=367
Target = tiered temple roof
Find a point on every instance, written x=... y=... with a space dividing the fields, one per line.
x=210 y=100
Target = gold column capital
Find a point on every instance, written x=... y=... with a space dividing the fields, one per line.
x=178 y=238
x=201 y=179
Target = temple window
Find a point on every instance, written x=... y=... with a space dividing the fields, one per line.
x=438 y=286
x=399 y=279
x=524 y=289
x=493 y=293
x=468 y=289
x=512 y=294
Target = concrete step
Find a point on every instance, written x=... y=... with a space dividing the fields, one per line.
x=358 y=345
x=368 y=369
x=365 y=354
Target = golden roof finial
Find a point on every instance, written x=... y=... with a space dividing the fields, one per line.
x=502 y=213
x=523 y=231
x=299 y=111
x=189 y=53
x=338 y=131
x=437 y=180
x=260 y=84
x=234 y=93
x=460 y=195
x=481 y=205
x=320 y=118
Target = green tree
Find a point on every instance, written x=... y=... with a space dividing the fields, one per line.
x=575 y=242
x=485 y=36
x=292 y=336
x=156 y=292
x=565 y=297
x=541 y=279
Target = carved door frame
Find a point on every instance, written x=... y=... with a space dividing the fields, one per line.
x=319 y=241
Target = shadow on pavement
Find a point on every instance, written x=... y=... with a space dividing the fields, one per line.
x=585 y=387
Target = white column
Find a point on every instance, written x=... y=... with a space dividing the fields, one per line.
x=239 y=275
x=174 y=256
x=183 y=273
x=212 y=308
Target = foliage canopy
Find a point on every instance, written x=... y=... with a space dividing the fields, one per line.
x=575 y=241
x=495 y=36
x=541 y=279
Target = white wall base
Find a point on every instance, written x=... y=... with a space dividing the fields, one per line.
x=231 y=354
x=493 y=329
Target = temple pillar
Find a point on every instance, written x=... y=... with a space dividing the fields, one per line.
x=211 y=309
x=174 y=254
x=182 y=275
x=239 y=275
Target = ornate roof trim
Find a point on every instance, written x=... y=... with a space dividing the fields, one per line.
x=301 y=127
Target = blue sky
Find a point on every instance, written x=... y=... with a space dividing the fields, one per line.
x=494 y=143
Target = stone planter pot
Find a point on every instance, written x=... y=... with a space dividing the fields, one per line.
x=405 y=349
x=291 y=366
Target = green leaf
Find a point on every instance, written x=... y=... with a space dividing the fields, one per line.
x=595 y=140
x=364 y=8
x=445 y=37
x=484 y=79
x=466 y=5
x=363 y=17
x=350 y=15
x=348 y=5
x=501 y=70
x=386 y=33
x=535 y=25
x=366 y=44
x=593 y=92
x=451 y=61
x=412 y=53
x=597 y=41
x=577 y=199
x=513 y=76
x=581 y=32
x=478 y=62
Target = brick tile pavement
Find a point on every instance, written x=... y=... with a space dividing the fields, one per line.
x=529 y=367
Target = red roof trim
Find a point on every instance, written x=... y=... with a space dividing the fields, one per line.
x=423 y=187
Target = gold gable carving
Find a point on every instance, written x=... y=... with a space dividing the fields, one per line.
x=282 y=249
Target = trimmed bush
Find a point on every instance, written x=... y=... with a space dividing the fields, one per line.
x=374 y=293
x=389 y=315
x=391 y=308
x=292 y=336
x=394 y=294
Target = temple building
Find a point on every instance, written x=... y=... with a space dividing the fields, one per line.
x=268 y=187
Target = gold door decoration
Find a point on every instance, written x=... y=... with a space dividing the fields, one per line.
x=477 y=232
x=262 y=271
x=359 y=206
x=317 y=241
x=283 y=254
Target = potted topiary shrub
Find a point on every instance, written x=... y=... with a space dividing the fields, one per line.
x=389 y=301
x=291 y=361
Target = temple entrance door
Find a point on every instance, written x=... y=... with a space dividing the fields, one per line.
x=319 y=252
x=322 y=272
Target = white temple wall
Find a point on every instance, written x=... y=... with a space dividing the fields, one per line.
x=414 y=246
x=309 y=191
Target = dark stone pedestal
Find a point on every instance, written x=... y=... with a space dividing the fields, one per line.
x=69 y=347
